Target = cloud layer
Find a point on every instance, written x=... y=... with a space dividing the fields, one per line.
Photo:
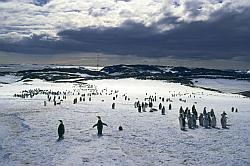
x=203 y=29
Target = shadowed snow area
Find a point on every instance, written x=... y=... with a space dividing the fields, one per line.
x=28 y=134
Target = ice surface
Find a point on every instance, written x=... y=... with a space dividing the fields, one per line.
x=224 y=85
x=9 y=79
x=28 y=134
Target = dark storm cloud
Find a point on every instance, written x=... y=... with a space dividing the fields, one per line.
x=226 y=35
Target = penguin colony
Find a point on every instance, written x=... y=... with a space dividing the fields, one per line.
x=188 y=118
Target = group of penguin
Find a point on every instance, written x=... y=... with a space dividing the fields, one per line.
x=206 y=119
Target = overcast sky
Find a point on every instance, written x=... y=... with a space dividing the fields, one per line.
x=210 y=33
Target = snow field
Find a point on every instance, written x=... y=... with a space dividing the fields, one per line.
x=29 y=129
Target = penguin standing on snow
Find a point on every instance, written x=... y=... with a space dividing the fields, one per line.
x=213 y=121
x=99 y=125
x=170 y=107
x=144 y=107
x=61 y=130
x=190 y=121
x=150 y=104
x=205 y=111
x=194 y=117
x=163 y=112
x=160 y=106
x=139 y=108
x=209 y=119
x=194 y=112
x=181 y=111
x=206 y=121
x=182 y=121
x=201 y=119
x=113 y=106
x=223 y=120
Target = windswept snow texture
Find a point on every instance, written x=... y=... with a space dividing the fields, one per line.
x=28 y=134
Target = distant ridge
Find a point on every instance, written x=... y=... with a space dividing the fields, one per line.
x=182 y=75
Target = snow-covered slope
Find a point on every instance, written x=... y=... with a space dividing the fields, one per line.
x=29 y=129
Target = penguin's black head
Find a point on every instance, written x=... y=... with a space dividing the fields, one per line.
x=60 y=121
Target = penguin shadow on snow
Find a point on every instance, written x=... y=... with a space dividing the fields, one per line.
x=225 y=128
x=95 y=136
x=185 y=130
x=59 y=139
x=217 y=128
x=101 y=136
x=86 y=139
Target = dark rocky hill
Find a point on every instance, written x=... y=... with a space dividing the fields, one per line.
x=173 y=74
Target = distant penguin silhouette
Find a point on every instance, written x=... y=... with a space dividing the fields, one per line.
x=139 y=108
x=113 y=106
x=160 y=106
x=163 y=112
x=61 y=130
x=170 y=107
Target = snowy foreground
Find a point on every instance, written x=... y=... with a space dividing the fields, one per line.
x=28 y=129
